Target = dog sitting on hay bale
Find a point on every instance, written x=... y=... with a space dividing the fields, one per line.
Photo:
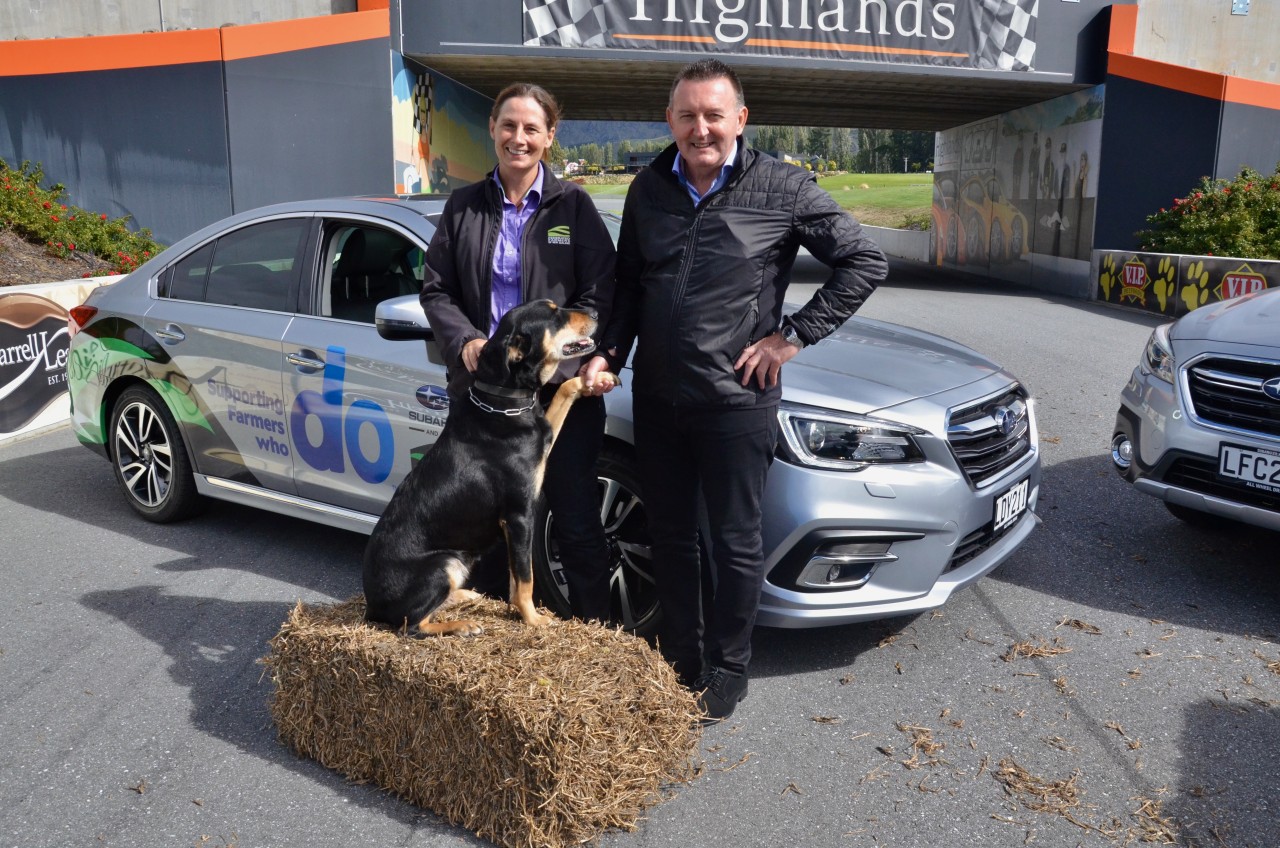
x=526 y=736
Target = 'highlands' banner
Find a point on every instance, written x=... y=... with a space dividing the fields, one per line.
x=992 y=34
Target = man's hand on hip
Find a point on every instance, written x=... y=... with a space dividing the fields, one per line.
x=764 y=360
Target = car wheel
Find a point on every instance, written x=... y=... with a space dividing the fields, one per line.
x=1015 y=241
x=1196 y=518
x=150 y=458
x=997 y=242
x=973 y=243
x=953 y=239
x=635 y=602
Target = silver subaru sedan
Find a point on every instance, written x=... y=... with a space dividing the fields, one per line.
x=275 y=359
x=1199 y=420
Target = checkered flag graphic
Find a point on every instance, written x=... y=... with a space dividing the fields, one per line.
x=1007 y=34
x=422 y=96
x=564 y=23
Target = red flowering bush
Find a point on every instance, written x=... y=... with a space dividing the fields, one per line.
x=39 y=215
x=1239 y=217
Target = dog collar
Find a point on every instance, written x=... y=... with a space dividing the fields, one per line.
x=500 y=391
x=511 y=411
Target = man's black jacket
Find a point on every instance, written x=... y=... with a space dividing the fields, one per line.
x=696 y=285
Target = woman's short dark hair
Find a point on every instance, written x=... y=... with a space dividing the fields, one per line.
x=550 y=106
x=707 y=69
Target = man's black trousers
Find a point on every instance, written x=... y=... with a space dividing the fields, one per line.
x=722 y=455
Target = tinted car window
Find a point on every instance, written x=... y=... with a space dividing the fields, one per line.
x=187 y=278
x=366 y=266
x=257 y=266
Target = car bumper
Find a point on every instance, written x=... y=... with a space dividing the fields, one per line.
x=1176 y=460
x=937 y=528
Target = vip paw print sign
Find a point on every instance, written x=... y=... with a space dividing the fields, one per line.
x=1173 y=285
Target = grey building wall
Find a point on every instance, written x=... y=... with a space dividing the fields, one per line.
x=1146 y=162
x=68 y=19
x=310 y=123
x=150 y=143
x=1204 y=34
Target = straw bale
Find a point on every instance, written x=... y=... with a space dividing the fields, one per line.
x=526 y=736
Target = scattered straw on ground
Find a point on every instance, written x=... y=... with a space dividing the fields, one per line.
x=1038 y=648
x=527 y=736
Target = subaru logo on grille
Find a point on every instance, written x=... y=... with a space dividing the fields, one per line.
x=1006 y=419
x=1271 y=388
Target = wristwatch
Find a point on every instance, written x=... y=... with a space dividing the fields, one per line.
x=790 y=336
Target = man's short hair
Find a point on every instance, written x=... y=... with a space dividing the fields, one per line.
x=707 y=69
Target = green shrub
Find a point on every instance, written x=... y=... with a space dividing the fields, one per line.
x=916 y=221
x=39 y=215
x=1240 y=217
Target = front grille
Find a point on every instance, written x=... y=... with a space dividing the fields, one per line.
x=1227 y=392
x=991 y=435
x=976 y=544
x=1201 y=476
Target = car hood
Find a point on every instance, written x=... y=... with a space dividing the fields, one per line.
x=1252 y=319
x=868 y=365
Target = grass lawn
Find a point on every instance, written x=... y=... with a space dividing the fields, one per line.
x=881 y=200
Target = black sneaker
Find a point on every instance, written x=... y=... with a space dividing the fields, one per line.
x=720 y=691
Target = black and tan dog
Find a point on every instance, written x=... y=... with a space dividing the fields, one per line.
x=478 y=484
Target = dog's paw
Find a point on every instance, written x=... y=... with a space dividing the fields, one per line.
x=431 y=629
x=607 y=380
x=536 y=619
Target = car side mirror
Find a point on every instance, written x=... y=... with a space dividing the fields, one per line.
x=401 y=319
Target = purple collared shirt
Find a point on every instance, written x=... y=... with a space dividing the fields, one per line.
x=507 y=286
x=725 y=170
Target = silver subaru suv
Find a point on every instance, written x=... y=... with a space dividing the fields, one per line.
x=1199 y=420
x=275 y=359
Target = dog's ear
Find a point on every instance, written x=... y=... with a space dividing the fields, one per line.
x=517 y=345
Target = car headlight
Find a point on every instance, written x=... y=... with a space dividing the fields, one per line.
x=843 y=441
x=1157 y=357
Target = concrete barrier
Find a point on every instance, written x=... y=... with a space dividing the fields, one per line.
x=34 y=339
x=905 y=244
x=1173 y=284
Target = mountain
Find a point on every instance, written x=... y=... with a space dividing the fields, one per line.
x=574 y=133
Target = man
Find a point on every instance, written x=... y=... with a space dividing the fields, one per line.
x=709 y=235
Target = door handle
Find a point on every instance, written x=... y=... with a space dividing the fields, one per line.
x=171 y=333
x=306 y=360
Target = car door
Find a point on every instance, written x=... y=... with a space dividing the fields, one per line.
x=220 y=315
x=363 y=409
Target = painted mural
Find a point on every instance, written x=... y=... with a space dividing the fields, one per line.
x=441 y=131
x=1019 y=184
x=1174 y=284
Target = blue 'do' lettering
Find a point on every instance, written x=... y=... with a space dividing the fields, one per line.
x=337 y=431
x=367 y=412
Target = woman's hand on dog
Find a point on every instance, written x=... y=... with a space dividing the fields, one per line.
x=596 y=378
x=471 y=354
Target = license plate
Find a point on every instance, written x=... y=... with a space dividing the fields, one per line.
x=1011 y=505
x=1257 y=468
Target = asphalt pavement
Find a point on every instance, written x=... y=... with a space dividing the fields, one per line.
x=133 y=708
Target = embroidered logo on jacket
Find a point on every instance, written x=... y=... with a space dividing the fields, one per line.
x=558 y=235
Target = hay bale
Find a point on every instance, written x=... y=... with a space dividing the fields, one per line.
x=526 y=736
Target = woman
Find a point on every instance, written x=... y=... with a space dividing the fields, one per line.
x=521 y=234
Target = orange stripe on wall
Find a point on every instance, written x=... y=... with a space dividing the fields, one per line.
x=1225 y=89
x=243 y=42
x=1124 y=29
x=369 y=5
x=1253 y=93
x=108 y=52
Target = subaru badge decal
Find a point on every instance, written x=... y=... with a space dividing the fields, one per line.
x=1271 y=388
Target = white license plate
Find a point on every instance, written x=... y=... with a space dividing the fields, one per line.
x=1011 y=505
x=1257 y=468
